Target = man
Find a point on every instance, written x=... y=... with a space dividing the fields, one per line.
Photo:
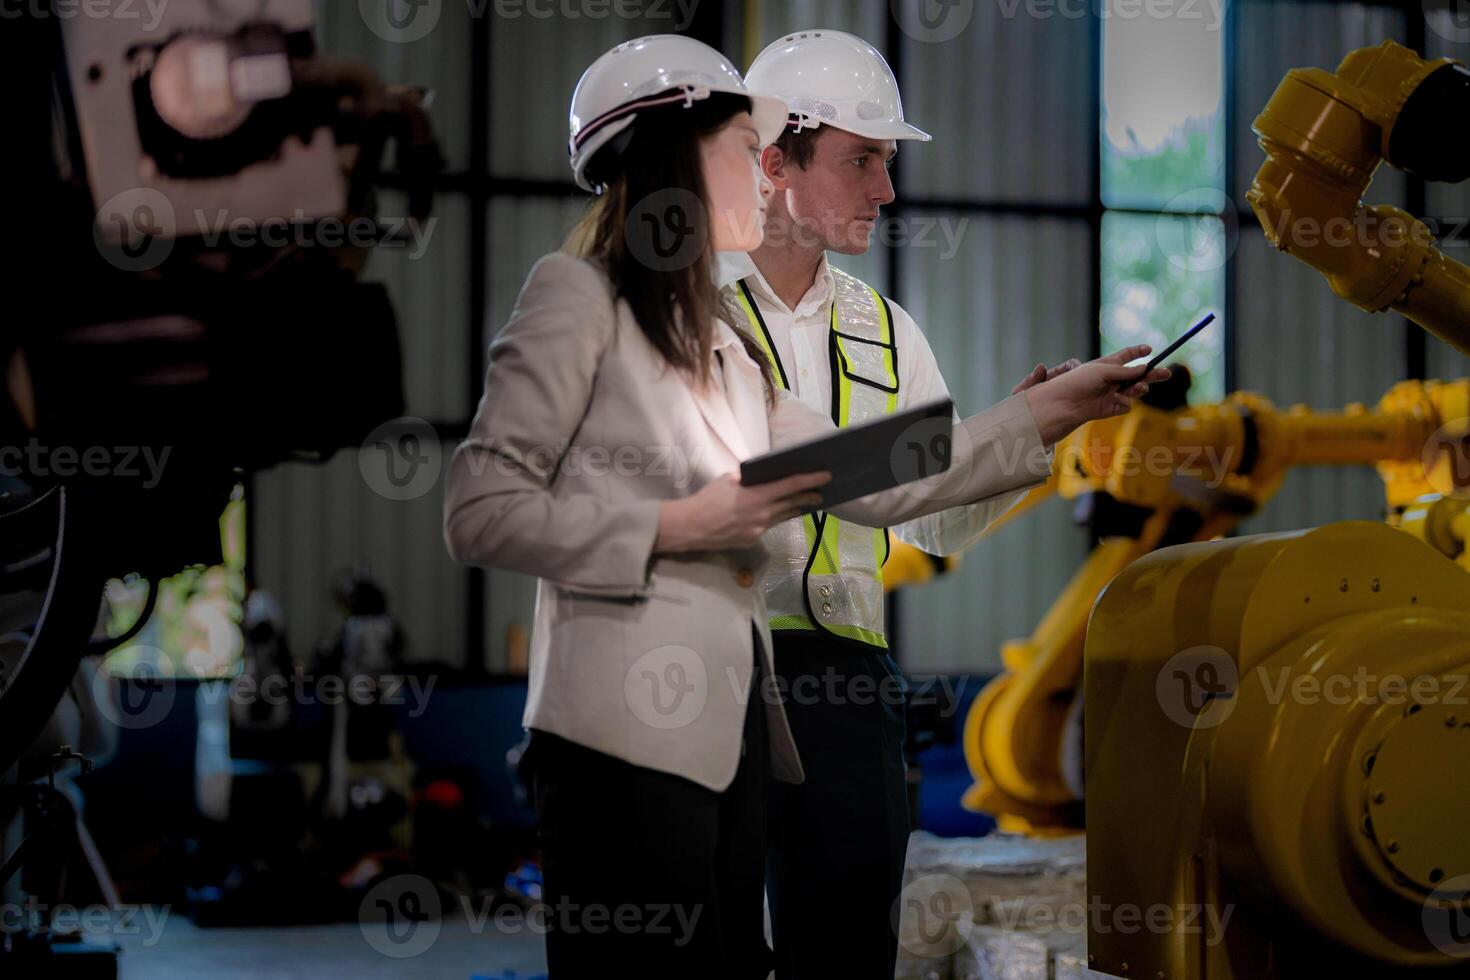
x=837 y=842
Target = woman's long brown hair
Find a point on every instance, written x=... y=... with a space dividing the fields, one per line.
x=675 y=307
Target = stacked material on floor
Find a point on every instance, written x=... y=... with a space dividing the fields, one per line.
x=1002 y=907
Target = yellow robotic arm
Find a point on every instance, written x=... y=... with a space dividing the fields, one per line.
x=1174 y=476
x=1324 y=134
x=907 y=565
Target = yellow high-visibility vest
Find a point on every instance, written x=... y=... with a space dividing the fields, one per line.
x=826 y=574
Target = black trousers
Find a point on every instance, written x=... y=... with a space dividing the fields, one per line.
x=649 y=874
x=838 y=840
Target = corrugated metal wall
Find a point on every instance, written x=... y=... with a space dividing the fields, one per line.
x=534 y=67
x=1442 y=360
x=440 y=61
x=774 y=18
x=1295 y=340
x=1010 y=102
x=308 y=521
x=1016 y=292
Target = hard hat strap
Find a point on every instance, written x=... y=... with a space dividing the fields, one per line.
x=684 y=93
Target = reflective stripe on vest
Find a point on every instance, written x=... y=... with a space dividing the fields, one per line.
x=826 y=574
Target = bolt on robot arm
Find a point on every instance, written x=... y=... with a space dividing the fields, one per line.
x=1324 y=135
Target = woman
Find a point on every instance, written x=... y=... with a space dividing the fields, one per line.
x=603 y=459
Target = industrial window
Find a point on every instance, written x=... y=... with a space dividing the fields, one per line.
x=1163 y=241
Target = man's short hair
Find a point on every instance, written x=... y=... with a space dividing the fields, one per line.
x=799 y=147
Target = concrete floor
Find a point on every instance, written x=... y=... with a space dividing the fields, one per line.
x=178 y=950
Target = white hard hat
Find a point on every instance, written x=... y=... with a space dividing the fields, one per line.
x=660 y=69
x=834 y=78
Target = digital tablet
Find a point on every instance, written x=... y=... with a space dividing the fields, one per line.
x=863 y=459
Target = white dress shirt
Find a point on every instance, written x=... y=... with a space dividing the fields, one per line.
x=801 y=340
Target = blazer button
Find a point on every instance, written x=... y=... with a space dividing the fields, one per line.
x=745 y=578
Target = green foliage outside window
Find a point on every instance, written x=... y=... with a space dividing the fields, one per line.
x=1169 y=179
x=1161 y=273
x=1163 y=158
x=194 y=630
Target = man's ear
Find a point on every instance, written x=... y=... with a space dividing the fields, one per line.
x=774 y=164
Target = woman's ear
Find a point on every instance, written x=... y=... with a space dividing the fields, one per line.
x=773 y=165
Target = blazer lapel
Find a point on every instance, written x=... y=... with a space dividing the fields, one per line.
x=747 y=398
x=717 y=413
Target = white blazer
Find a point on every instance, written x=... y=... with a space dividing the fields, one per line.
x=582 y=430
